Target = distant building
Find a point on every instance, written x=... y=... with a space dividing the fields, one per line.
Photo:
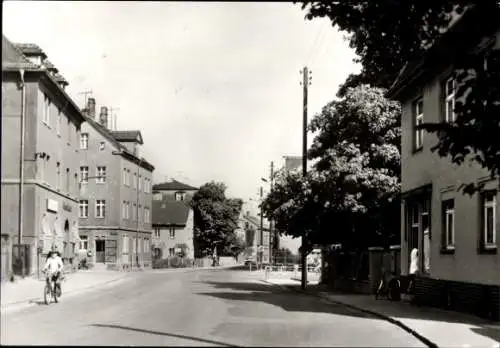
x=293 y=163
x=115 y=201
x=40 y=131
x=249 y=229
x=173 y=219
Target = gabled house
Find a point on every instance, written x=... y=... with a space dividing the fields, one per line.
x=172 y=220
x=457 y=236
x=250 y=231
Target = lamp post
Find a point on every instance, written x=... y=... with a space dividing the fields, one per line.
x=119 y=153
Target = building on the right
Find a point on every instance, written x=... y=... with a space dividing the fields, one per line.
x=457 y=236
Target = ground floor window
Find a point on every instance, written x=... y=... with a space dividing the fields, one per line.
x=171 y=251
x=84 y=242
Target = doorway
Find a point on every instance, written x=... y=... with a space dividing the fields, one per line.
x=100 y=248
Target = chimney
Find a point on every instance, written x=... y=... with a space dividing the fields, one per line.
x=103 y=117
x=91 y=108
x=248 y=213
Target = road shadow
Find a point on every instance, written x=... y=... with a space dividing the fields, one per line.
x=294 y=300
x=197 y=339
x=273 y=295
x=490 y=332
x=38 y=302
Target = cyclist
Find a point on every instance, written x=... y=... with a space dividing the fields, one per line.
x=53 y=268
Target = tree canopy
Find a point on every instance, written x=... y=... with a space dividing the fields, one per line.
x=215 y=220
x=387 y=34
x=350 y=193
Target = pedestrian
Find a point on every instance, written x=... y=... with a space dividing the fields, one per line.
x=413 y=271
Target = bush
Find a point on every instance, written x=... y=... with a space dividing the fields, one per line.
x=172 y=262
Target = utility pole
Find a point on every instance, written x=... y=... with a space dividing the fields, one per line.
x=86 y=93
x=113 y=118
x=272 y=235
x=261 y=227
x=305 y=84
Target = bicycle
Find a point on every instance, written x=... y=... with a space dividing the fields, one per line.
x=50 y=290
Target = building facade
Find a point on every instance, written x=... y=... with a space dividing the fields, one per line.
x=456 y=235
x=173 y=220
x=257 y=243
x=115 y=203
x=40 y=131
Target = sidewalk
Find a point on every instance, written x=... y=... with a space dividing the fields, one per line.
x=30 y=290
x=435 y=327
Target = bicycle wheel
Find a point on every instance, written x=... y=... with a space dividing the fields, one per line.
x=46 y=294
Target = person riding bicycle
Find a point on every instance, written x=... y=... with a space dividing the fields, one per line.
x=53 y=267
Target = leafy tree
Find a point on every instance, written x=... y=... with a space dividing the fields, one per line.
x=387 y=34
x=234 y=245
x=350 y=196
x=215 y=219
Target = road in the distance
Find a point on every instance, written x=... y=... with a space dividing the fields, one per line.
x=204 y=307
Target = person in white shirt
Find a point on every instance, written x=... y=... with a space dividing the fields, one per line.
x=53 y=268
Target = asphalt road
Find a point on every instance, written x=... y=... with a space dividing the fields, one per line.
x=198 y=308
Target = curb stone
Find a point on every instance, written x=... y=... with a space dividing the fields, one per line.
x=396 y=322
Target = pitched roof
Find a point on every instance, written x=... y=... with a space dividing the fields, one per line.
x=173 y=185
x=124 y=151
x=170 y=213
x=128 y=136
x=30 y=49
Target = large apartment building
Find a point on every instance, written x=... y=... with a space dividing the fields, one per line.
x=456 y=235
x=115 y=203
x=40 y=132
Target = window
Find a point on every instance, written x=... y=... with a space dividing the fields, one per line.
x=146 y=215
x=84 y=141
x=125 y=244
x=134 y=245
x=76 y=184
x=124 y=210
x=140 y=183
x=102 y=146
x=180 y=196
x=134 y=184
x=84 y=174
x=100 y=208
x=69 y=131
x=134 y=212
x=171 y=251
x=125 y=177
x=46 y=109
x=84 y=242
x=449 y=224
x=139 y=212
x=449 y=113
x=58 y=124
x=157 y=233
x=419 y=119
x=172 y=233
x=146 y=245
x=67 y=180
x=84 y=208
x=101 y=174
x=58 y=176
x=489 y=219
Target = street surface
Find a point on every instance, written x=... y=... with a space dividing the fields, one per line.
x=198 y=308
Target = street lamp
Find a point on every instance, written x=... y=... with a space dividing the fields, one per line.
x=119 y=153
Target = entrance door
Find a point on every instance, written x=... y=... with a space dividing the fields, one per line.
x=100 y=249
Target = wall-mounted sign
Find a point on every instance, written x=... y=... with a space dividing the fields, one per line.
x=114 y=233
x=52 y=205
x=67 y=207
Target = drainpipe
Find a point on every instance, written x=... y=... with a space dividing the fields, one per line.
x=21 y=164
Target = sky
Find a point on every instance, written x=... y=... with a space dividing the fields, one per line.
x=213 y=87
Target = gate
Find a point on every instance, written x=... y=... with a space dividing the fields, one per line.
x=110 y=251
x=21 y=264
